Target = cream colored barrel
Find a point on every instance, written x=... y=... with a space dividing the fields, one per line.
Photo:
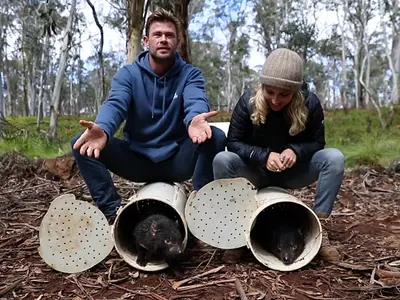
x=169 y=198
x=265 y=199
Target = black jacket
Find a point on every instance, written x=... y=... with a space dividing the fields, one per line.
x=254 y=143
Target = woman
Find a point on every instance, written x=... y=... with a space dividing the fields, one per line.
x=277 y=137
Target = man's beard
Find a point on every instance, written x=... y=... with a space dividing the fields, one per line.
x=162 y=59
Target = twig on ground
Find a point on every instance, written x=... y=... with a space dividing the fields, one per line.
x=25 y=189
x=240 y=290
x=81 y=287
x=25 y=224
x=155 y=296
x=201 y=285
x=212 y=255
x=177 y=284
x=11 y=287
x=352 y=266
x=183 y=296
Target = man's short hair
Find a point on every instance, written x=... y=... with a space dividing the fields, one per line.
x=162 y=15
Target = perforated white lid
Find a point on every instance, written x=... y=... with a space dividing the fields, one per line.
x=220 y=212
x=74 y=235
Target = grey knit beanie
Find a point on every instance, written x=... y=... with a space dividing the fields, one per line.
x=283 y=68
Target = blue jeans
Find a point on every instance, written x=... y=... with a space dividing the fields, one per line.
x=190 y=160
x=326 y=167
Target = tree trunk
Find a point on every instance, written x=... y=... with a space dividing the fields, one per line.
x=43 y=80
x=343 y=88
x=9 y=110
x=71 y=90
x=136 y=10
x=181 y=12
x=395 y=55
x=2 y=104
x=101 y=76
x=32 y=85
x=374 y=103
x=55 y=99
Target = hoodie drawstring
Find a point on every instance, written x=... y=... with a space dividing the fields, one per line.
x=154 y=97
x=163 y=103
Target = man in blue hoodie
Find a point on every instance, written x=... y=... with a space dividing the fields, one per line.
x=166 y=135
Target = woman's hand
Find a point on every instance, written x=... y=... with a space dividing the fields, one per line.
x=288 y=158
x=274 y=163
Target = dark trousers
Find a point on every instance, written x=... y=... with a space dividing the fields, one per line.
x=191 y=160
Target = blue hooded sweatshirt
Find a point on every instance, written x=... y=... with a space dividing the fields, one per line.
x=157 y=109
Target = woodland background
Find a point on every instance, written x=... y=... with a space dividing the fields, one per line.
x=352 y=63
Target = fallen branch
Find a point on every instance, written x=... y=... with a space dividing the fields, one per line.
x=25 y=224
x=82 y=288
x=24 y=189
x=369 y=288
x=11 y=287
x=388 y=274
x=155 y=296
x=183 y=296
x=201 y=285
x=177 y=284
x=351 y=266
x=240 y=290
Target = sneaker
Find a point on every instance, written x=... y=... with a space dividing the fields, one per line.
x=327 y=251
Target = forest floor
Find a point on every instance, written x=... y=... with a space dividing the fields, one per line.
x=365 y=227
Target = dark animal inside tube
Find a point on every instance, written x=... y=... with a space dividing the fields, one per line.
x=156 y=227
x=281 y=229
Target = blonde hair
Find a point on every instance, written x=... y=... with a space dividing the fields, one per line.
x=297 y=111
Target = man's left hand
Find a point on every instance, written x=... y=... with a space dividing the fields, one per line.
x=199 y=130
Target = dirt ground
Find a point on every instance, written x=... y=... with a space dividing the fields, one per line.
x=365 y=226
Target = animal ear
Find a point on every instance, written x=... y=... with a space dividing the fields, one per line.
x=300 y=232
x=153 y=228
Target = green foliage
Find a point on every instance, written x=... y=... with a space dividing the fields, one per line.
x=346 y=132
x=349 y=133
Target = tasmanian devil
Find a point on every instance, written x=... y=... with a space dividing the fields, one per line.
x=281 y=233
x=158 y=238
x=286 y=242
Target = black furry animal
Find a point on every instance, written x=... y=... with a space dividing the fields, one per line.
x=286 y=242
x=281 y=232
x=158 y=238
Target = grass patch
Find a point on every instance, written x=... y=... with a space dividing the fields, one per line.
x=346 y=132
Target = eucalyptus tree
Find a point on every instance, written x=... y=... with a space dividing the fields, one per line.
x=55 y=100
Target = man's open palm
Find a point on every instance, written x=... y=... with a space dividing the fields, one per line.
x=92 y=141
x=199 y=130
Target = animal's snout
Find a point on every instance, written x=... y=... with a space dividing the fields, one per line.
x=286 y=260
x=176 y=249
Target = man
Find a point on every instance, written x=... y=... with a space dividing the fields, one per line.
x=166 y=135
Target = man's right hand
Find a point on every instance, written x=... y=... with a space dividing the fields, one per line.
x=274 y=163
x=92 y=141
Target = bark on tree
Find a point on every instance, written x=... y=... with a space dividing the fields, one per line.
x=9 y=111
x=181 y=12
x=43 y=81
x=395 y=55
x=102 y=93
x=343 y=88
x=2 y=106
x=32 y=85
x=55 y=99
x=136 y=20
x=2 y=102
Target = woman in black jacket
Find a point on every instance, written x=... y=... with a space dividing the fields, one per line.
x=277 y=138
